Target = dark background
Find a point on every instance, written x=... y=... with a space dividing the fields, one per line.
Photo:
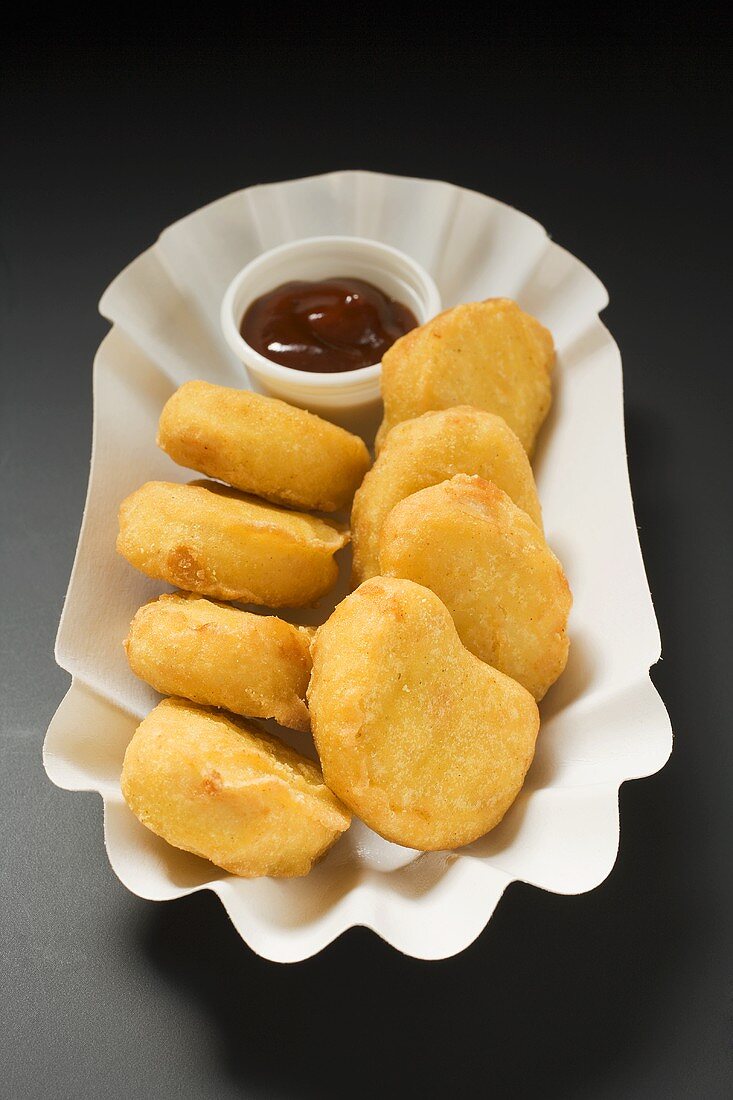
x=615 y=135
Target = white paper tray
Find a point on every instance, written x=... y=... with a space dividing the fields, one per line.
x=603 y=723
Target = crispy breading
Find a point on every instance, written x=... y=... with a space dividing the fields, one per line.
x=263 y=446
x=488 y=562
x=223 y=789
x=427 y=744
x=218 y=542
x=254 y=665
x=489 y=354
x=426 y=450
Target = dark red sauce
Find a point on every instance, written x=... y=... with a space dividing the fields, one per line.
x=333 y=325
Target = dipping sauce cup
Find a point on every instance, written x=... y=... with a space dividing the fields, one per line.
x=345 y=395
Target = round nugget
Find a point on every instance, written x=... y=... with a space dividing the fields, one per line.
x=427 y=744
x=215 y=541
x=224 y=790
x=424 y=451
x=254 y=665
x=263 y=446
x=468 y=542
x=489 y=354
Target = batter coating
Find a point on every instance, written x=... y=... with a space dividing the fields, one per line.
x=424 y=451
x=212 y=540
x=489 y=354
x=427 y=744
x=263 y=446
x=254 y=665
x=224 y=790
x=490 y=565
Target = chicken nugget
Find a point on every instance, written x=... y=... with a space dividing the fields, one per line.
x=489 y=354
x=468 y=542
x=263 y=446
x=215 y=541
x=424 y=451
x=254 y=665
x=427 y=744
x=223 y=789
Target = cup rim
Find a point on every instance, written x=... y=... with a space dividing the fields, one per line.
x=337 y=380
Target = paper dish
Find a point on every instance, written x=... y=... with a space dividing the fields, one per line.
x=603 y=722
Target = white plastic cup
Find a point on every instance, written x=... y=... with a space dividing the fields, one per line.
x=343 y=395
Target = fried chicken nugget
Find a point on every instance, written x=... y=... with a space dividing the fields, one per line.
x=487 y=561
x=424 y=451
x=215 y=541
x=223 y=789
x=489 y=354
x=427 y=744
x=254 y=665
x=263 y=446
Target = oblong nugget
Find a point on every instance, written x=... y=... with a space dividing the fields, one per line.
x=424 y=451
x=224 y=790
x=215 y=541
x=428 y=745
x=263 y=446
x=469 y=543
x=489 y=354
x=254 y=665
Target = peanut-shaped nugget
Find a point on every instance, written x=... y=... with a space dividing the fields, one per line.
x=215 y=541
x=254 y=665
x=263 y=446
x=489 y=354
x=427 y=744
x=223 y=789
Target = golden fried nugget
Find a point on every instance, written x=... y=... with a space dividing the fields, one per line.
x=425 y=742
x=254 y=665
x=263 y=446
x=215 y=541
x=469 y=543
x=489 y=354
x=225 y=790
x=427 y=450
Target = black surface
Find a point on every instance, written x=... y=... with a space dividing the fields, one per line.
x=616 y=140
